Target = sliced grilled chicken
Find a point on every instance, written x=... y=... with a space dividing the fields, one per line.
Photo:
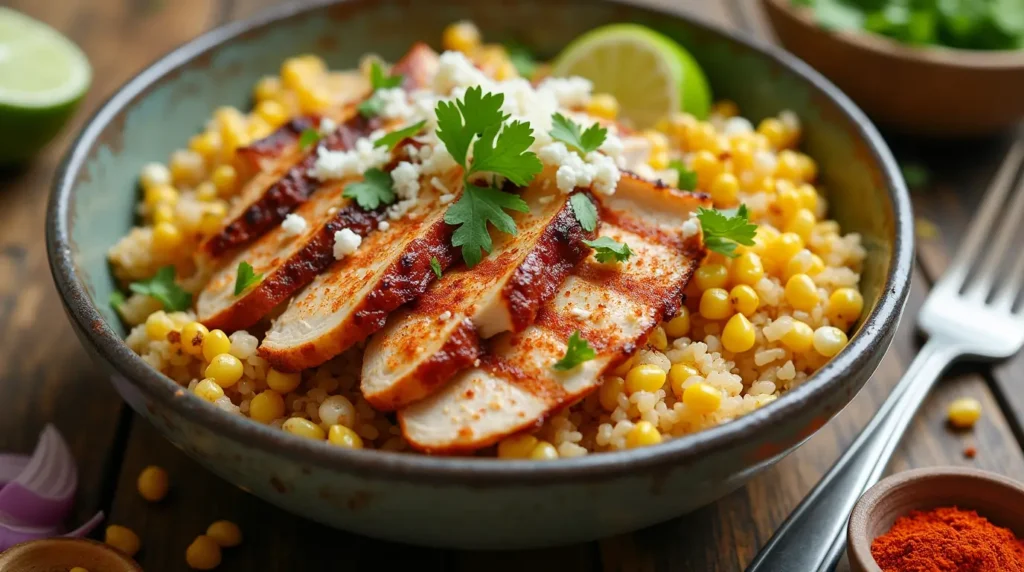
x=283 y=144
x=421 y=348
x=351 y=300
x=284 y=180
x=613 y=306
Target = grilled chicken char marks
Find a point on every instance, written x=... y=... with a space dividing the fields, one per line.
x=264 y=154
x=615 y=307
x=352 y=298
x=421 y=348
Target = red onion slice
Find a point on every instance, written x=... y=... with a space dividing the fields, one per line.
x=12 y=533
x=42 y=494
x=11 y=466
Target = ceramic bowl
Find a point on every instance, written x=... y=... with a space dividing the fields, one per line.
x=931 y=91
x=993 y=496
x=60 y=554
x=466 y=502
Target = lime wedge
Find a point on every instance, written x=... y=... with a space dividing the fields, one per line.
x=650 y=74
x=42 y=78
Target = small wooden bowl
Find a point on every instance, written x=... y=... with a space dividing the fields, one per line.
x=930 y=91
x=995 y=497
x=63 y=554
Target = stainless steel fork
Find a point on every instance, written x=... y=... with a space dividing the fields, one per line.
x=972 y=312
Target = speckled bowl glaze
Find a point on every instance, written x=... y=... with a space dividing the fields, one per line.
x=466 y=502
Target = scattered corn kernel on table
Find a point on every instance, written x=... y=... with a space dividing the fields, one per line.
x=45 y=375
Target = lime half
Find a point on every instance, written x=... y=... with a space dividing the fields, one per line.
x=42 y=78
x=650 y=74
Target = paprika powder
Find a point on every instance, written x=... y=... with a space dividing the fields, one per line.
x=947 y=539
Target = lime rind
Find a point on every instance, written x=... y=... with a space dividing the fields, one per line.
x=24 y=43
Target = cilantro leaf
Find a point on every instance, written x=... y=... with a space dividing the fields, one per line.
x=396 y=136
x=521 y=59
x=578 y=352
x=459 y=121
x=585 y=211
x=471 y=213
x=687 y=178
x=245 y=277
x=380 y=80
x=370 y=107
x=435 y=265
x=568 y=131
x=608 y=250
x=372 y=191
x=164 y=289
x=505 y=153
x=116 y=299
x=722 y=233
x=308 y=138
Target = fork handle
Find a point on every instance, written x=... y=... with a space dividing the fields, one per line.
x=813 y=537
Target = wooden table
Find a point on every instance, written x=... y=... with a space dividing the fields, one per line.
x=45 y=376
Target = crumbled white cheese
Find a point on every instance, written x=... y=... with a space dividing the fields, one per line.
x=332 y=210
x=454 y=70
x=436 y=159
x=406 y=180
x=383 y=225
x=327 y=126
x=440 y=186
x=580 y=313
x=394 y=103
x=606 y=173
x=446 y=198
x=612 y=146
x=599 y=170
x=737 y=126
x=293 y=225
x=692 y=226
x=545 y=200
x=343 y=164
x=568 y=91
x=345 y=242
x=446 y=315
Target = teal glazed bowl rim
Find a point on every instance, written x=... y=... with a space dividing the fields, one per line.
x=476 y=472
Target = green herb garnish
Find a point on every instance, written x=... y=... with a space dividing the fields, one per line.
x=378 y=80
x=435 y=265
x=687 y=177
x=585 y=211
x=245 y=277
x=608 y=250
x=522 y=59
x=723 y=232
x=164 y=289
x=578 y=352
x=308 y=138
x=396 y=136
x=569 y=132
x=374 y=190
x=116 y=299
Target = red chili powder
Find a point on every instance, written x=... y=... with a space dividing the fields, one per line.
x=948 y=539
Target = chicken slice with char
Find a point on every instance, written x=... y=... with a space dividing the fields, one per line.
x=614 y=306
x=421 y=348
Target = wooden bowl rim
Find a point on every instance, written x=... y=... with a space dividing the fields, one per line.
x=858 y=543
x=996 y=60
x=128 y=564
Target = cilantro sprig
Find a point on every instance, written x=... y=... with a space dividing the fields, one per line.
x=435 y=265
x=374 y=190
x=579 y=351
x=164 y=289
x=609 y=250
x=395 y=137
x=723 y=232
x=245 y=277
x=372 y=106
x=569 y=132
x=309 y=137
x=687 y=177
x=498 y=148
x=585 y=211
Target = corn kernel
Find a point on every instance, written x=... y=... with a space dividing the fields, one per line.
x=212 y=218
x=203 y=553
x=225 y=533
x=282 y=382
x=608 y=393
x=206 y=191
x=788 y=165
x=313 y=100
x=844 y=306
x=738 y=335
x=158 y=325
x=544 y=451
x=799 y=338
x=215 y=343
x=225 y=369
x=725 y=108
x=166 y=237
x=658 y=340
x=461 y=36
x=224 y=178
x=742 y=155
x=703 y=137
x=157 y=195
x=787 y=199
x=187 y=167
x=267 y=88
x=744 y=299
x=707 y=166
x=828 y=340
x=764 y=236
x=272 y=112
x=123 y=539
x=659 y=161
x=801 y=292
x=808 y=197
x=153 y=483
x=643 y=434
x=304 y=428
x=677 y=376
x=301 y=71
x=715 y=304
x=808 y=168
x=258 y=128
x=207 y=144
x=208 y=390
x=801 y=224
x=659 y=141
x=517 y=446
x=603 y=105
x=645 y=377
x=266 y=407
x=724 y=190
x=702 y=398
x=747 y=269
x=192 y=335
x=774 y=131
x=344 y=437
x=679 y=326
x=711 y=276
x=624 y=367
x=964 y=412
x=784 y=247
x=163 y=213
x=804 y=262
x=153 y=174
